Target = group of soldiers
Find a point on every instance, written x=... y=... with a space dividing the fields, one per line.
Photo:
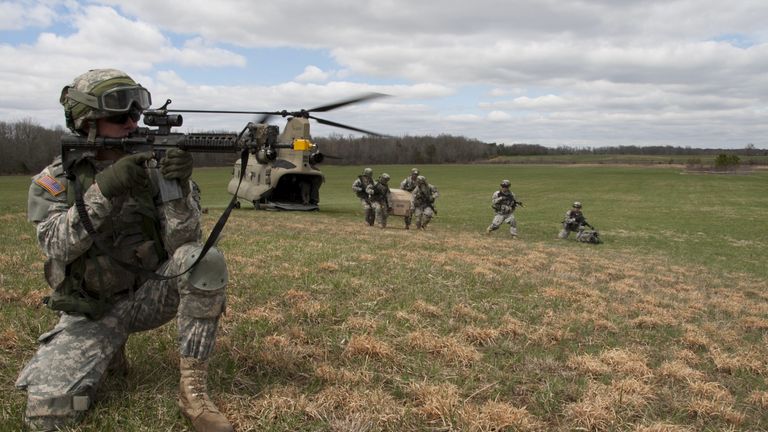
x=375 y=197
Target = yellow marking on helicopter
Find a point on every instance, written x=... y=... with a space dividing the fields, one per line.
x=300 y=144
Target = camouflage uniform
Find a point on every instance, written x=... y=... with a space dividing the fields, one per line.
x=409 y=184
x=423 y=203
x=360 y=188
x=504 y=204
x=381 y=200
x=575 y=221
x=63 y=377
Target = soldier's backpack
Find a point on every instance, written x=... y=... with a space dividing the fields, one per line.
x=589 y=236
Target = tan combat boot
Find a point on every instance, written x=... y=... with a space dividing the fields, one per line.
x=194 y=401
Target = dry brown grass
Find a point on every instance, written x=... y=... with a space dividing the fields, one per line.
x=369 y=347
x=497 y=416
x=436 y=403
x=447 y=348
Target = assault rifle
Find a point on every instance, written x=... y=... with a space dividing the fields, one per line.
x=252 y=139
x=255 y=137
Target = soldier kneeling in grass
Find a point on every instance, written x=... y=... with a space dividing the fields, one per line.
x=576 y=222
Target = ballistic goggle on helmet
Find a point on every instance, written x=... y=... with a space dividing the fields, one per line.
x=101 y=93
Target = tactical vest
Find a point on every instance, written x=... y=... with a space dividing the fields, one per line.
x=507 y=200
x=422 y=196
x=364 y=182
x=132 y=233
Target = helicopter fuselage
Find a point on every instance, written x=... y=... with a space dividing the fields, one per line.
x=282 y=177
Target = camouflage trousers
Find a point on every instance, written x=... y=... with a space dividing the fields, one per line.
x=381 y=212
x=567 y=230
x=423 y=215
x=62 y=378
x=502 y=218
x=370 y=215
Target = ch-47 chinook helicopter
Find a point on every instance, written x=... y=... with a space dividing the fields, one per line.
x=283 y=173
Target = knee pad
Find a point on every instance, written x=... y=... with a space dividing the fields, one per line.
x=203 y=291
x=210 y=274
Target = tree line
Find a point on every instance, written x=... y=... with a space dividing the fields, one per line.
x=540 y=150
x=26 y=147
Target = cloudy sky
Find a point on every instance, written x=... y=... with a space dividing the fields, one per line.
x=551 y=72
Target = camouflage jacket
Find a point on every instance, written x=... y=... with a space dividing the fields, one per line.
x=360 y=185
x=573 y=220
x=380 y=193
x=503 y=203
x=408 y=184
x=120 y=223
x=424 y=196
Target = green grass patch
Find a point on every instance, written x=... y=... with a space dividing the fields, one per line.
x=335 y=326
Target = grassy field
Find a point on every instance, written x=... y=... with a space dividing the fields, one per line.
x=708 y=160
x=333 y=326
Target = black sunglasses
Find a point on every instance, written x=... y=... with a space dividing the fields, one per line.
x=133 y=114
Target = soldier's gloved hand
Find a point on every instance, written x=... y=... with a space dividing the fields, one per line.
x=125 y=176
x=177 y=164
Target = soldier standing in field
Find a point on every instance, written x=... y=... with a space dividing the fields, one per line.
x=360 y=188
x=381 y=199
x=423 y=202
x=409 y=184
x=105 y=269
x=504 y=203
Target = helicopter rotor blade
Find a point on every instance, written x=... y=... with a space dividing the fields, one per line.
x=357 y=99
x=343 y=126
x=262 y=119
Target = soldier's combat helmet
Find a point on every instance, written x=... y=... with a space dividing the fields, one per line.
x=414 y=171
x=101 y=93
x=384 y=178
x=367 y=172
x=421 y=180
x=505 y=183
x=577 y=204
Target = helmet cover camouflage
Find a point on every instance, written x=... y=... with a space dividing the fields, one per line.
x=384 y=178
x=367 y=172
x=414 y=171
x=505 y=183
x=576 y=204
x=421 y=180
x=94 y=83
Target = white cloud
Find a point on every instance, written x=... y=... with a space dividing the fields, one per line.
x=313 y=74
x=551 y=71
x=18 y=15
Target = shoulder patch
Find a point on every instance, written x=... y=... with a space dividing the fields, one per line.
x=53 y=186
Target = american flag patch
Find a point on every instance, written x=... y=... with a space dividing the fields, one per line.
x=50 y=184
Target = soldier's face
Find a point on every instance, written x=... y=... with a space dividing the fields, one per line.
x=108 y=129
